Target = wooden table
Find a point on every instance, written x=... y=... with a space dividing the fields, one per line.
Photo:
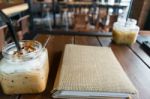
x=134 y=61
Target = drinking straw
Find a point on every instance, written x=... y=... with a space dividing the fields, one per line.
x=129 y=10
x=11 y=29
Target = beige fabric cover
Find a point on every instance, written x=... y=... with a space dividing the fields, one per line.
x=94 y=69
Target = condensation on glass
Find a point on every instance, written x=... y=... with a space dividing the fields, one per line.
x=27 y=73
x=125 y=32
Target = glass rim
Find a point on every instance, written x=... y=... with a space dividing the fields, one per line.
x=25 y=56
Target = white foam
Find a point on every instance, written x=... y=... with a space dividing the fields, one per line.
x=10 y=67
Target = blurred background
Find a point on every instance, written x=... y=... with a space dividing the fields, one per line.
x=71 y=16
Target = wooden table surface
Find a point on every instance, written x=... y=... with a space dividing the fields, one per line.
x=134 y=61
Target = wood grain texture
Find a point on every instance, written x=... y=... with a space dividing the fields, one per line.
x=136 y=70
x=86 y=40
x=139 y=51
x=136 y=48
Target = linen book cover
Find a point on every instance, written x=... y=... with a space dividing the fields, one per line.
x=91 y=72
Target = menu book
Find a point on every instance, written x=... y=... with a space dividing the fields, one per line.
x=91 y=72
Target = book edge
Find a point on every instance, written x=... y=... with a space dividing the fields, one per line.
x=58 y=94
x=57 y=78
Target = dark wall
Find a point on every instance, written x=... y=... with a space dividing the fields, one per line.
x=147 y=23
x=136 y=8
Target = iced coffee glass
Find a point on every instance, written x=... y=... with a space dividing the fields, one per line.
x=25 y=71
x=125 y=32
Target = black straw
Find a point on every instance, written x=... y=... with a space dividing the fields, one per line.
x=11 y=29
